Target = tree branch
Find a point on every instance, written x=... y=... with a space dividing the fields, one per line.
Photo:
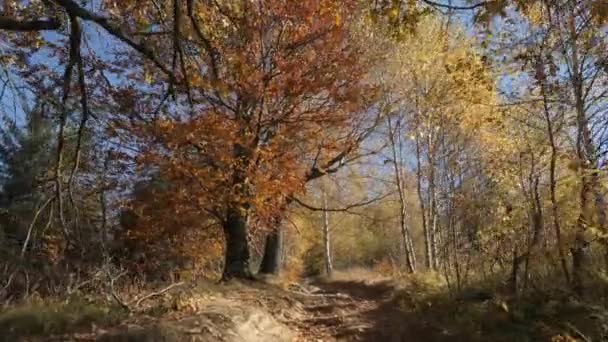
x=330 y=166
x=76 y=10
x=31 y=227
x=158 y=293
x=10 y=24
x=454 y=7
x=346 y=208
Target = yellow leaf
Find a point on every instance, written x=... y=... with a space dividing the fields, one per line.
x=148 y=77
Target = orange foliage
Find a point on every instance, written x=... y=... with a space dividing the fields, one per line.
x=274 y=87
x=159 y=238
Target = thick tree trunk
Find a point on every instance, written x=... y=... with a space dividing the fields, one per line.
x=237 y=248
x=273 y=249
x=271 y=262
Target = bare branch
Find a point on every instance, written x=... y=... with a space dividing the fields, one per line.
x=455 y=7
x=158 y=293
x=76 y=10
x=31 y=227
x=10 y=24
x=113 y=291
x=345 y=208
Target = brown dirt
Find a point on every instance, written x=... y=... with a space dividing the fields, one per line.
x=359 y=311
x=339 y=310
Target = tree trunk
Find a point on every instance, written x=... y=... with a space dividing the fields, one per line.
x=434 y=241
x=579 y=251
x=514 y=273
x=407 y=240
x=329 y=268
x=553 y=182
x=271 y=262
x=537 y=227
x=579 y=264
x=602 y=210
x=455 y=251
x=237 y=248
x=408 y=246
x=427 y=237
x=433 y=203
x=273 y=249
x=585 y=153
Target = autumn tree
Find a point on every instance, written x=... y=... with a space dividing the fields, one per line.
x=251 y=69
x=563 y=51
x=433 y=109
x=279 y=87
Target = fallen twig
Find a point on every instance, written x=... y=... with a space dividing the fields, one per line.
x=577 y=332
x=154 y=294
x=327 y=295
x=8 y=283
x=113 y=292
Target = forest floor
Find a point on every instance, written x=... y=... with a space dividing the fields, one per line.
x=341 y=309
x=337 y=310
x=359 y=310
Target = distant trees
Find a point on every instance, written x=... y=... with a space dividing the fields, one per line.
x=517 y=147
x=434 y=115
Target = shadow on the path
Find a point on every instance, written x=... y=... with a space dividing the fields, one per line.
x=380 y=311
x=380 y=317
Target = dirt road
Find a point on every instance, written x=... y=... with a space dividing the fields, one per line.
x=357 y=311
x=317 y=311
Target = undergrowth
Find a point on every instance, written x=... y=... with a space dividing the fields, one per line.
x=55 y=317
x=480 y=313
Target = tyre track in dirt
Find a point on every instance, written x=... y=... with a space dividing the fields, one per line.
x=352 y=311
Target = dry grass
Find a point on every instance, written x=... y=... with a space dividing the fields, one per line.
x=54 y=316
x=357 y=274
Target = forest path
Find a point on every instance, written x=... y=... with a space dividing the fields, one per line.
x=363 y=309
x=312 y=311
x=357 y=311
